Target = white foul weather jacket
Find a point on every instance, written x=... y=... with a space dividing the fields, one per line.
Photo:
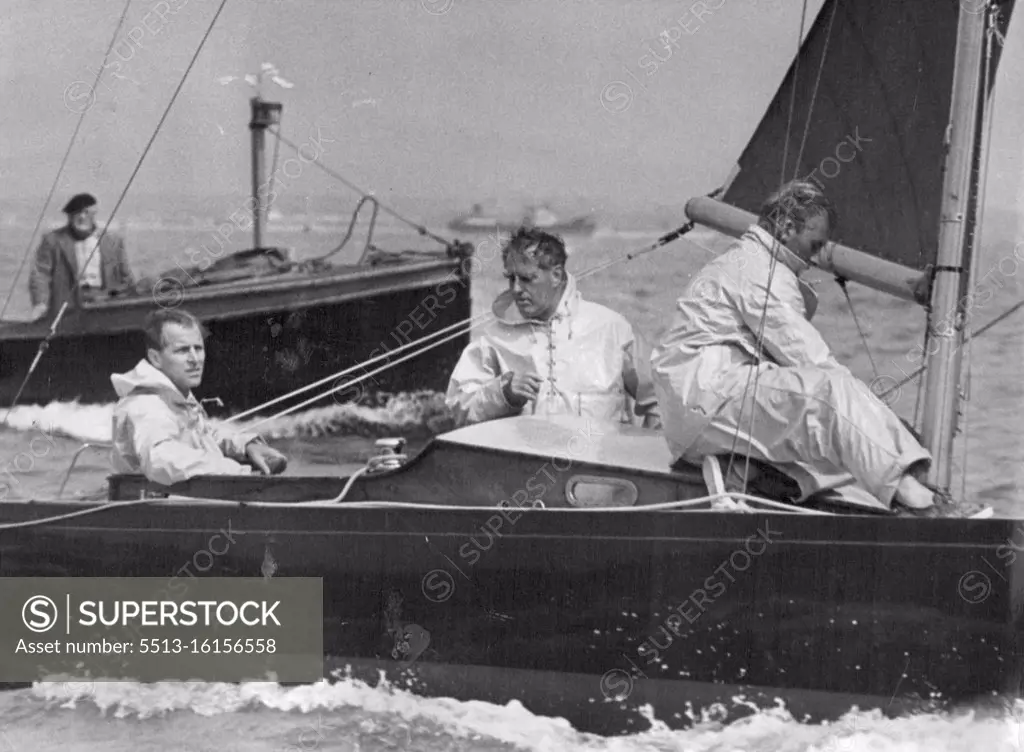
x=166 y=436
x=811 y=416
x=590 y=361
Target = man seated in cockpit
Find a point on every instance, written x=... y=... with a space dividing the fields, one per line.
x=160 y=429
x=549 y=351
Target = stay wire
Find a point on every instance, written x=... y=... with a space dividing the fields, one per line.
x=44 y=345
x=277 y=151
x=755 y=373
x=64 y=161
x=817 y=83
x=469 y=323
x=974 y=335
x=841 y=281
x=421 y=229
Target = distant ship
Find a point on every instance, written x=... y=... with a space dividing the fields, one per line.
x=537 y=216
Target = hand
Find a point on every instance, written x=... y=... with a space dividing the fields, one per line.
x=39 y=310
x=652 y=422
x=520 y=388
x=266 y=459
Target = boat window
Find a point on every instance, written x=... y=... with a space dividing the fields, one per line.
x=597 y=491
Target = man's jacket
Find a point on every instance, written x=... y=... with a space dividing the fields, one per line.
x=55 y=270
x=167 y=436
x=588 y=357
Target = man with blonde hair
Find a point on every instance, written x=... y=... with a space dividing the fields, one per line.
x=743 y=370
x=160 y=429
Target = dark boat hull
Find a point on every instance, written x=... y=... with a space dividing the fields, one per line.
x=268 y=337
x=585 y=613
x=606 y=611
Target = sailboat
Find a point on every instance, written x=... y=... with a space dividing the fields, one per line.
x=571 y=566
x=278 y=321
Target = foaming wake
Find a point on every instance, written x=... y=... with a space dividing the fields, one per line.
x=335 y=704
x=409 y=414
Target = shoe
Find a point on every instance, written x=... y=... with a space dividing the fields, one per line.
x=945 y=507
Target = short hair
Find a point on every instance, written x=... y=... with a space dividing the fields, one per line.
x=155 y=322
x=799 y=201
x=543 y=248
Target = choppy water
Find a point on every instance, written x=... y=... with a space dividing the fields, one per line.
x=347 y=715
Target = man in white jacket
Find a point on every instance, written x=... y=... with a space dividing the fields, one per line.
x=160 y=429
x=550 y=352
x=742 y=369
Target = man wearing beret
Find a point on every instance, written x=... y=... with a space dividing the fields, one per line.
x=69 y=256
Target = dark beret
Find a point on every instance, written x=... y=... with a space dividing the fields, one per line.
x=79 y=202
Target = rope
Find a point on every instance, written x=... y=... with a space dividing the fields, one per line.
x=755 y=373
x=849 y=301
x=471 y=323
x=45 y=344
x=277 y=150
x=348 y=384
x=1008 y=312
x=421 y=229
x=660 y=507
x=356 y=367
x=792 y=98
x=64 y=161
x=817 y=82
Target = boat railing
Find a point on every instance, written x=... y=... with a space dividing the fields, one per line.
x=368 y=247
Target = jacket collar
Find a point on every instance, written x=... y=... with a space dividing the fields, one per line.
x=764 y=238
x=506 y=310
x=148 y=378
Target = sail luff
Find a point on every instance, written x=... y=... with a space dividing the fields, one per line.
x=944 y=354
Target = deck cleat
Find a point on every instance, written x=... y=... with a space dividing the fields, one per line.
x=389 y=456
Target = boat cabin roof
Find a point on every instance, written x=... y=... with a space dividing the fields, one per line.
x=581 y=439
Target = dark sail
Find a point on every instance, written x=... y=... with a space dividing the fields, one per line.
x=875 y=122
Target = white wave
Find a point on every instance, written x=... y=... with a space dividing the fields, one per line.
x=773 y=729
x=83 y=422
x=409 y=413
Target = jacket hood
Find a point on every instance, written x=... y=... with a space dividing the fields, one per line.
x=507 y=311
x=145 y=376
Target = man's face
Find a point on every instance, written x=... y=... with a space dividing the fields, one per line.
x=84 y=221
x=536 y=290
x=182 y=356
x=806 y=242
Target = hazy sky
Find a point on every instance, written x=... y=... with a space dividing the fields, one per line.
x=431 y=103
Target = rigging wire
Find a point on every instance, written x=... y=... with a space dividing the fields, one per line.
x=421 y=229
x=817 y=82
x=974 y=335
x=755 y=372
x=484 y=317
x=45 y=344
x=473 y=322
x=64 y=161
x=863 y=338
x=277 y=150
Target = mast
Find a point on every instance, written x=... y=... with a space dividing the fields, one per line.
x=944 y=356
x=264 y=114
